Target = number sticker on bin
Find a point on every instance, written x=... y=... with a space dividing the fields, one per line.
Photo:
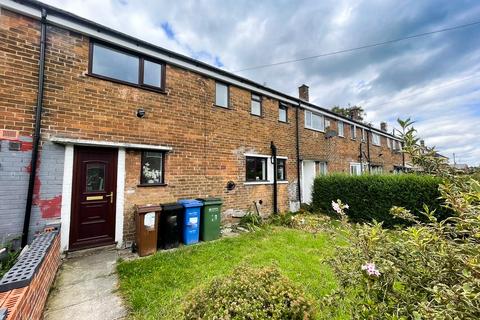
x=149 y=220
x=193 y=220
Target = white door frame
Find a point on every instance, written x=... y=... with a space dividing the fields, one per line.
x=67 y=186
x=304 y=199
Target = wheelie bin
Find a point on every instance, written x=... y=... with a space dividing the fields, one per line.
x=169 y=231
x=210 y=218
x=190 y=221
x=146 y=221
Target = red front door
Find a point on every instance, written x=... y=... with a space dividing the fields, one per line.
x=93 y=197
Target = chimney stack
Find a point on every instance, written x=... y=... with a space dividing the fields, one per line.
x=383 y=126
x=354 y=113
x=303 y=92
x=422 y=143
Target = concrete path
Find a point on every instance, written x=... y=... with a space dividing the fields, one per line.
x=86 y=288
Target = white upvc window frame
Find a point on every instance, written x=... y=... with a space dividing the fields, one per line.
x=218 y=102
x=309 y=121
x=364 y=138
x=389 y=143
x=358 y=169
x=353 y=132
x=341 y=124
x=270 y=169
x=322 y=168
x=376 y=139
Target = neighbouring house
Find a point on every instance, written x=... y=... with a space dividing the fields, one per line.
x=111 y=122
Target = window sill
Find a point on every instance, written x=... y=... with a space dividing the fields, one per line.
x=152 y=89
x=341 y=136
x=254 y=183
x=256 y=115
x=285 y=122
x=152 y=185
x=226 y=108
x=316 y=130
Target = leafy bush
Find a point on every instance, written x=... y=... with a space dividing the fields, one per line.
x=248 y=294
x=8 y=259
x=370 y=197
x=281 y=219
x=251 y=221
x=430 y=270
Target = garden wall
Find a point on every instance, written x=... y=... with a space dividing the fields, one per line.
x=24 y=289
x=370 y=197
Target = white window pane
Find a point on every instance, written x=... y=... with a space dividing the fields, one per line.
x=317 y=122
x=282 y=114
x=340 y=128
x=115 y=64
x=152 y=73
x=256 y=108
x=221 y=95
x=308 y=119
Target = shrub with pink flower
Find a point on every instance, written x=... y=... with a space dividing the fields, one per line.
x=371 y=269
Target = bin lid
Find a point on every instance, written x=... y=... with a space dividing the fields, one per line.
x=171 y=206
x=148 y=208
x=211 y=200
x=189 y=203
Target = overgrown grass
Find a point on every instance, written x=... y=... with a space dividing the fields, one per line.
x=155 y=287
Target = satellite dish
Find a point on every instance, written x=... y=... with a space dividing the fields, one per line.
x=330 y=134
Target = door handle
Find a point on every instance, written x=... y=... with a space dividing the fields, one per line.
x=110 y=196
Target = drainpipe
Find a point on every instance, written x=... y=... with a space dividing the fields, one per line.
x=299 y=185
x=368 y=150
x=274 y=161
x=38 y=122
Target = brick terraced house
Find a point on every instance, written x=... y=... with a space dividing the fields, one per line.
x=94 y=122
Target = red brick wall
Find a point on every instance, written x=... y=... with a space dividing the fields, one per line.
x=27 y=303
x=208 y=142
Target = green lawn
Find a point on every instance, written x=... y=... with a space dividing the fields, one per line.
x=155 y=286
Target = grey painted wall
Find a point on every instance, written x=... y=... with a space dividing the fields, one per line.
x=14 y=175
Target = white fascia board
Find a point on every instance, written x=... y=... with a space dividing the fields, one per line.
x=111 y=144
x=21 y=8
x=95 y=33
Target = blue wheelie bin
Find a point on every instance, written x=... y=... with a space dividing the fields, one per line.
x=190 y=220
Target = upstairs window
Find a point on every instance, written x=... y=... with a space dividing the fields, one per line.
x=282 y=113
x=340 y=129
x=221 y=95
x=314 y=121
x=256 y=107
x=281 y=169
x=353 y=131
x=118 y=65
x=363 y=135
x=256 y=169
x=152 y=170
x=389 y=143
x=376 y=139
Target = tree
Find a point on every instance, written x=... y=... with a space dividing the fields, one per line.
x=354 y=112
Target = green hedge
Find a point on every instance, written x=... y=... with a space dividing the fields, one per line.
x=370 y=197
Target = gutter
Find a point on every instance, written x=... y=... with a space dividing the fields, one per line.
x=299 y=184
x=38 y=123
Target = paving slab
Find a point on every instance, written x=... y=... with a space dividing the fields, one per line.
x=86 y=288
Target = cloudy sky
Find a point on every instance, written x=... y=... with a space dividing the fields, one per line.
x=435 y=80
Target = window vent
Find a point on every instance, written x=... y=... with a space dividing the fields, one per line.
x=9 y=134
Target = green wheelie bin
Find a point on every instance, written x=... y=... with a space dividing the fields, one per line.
x=210 y=219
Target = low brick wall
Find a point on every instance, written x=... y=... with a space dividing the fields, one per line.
x=25 y=298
